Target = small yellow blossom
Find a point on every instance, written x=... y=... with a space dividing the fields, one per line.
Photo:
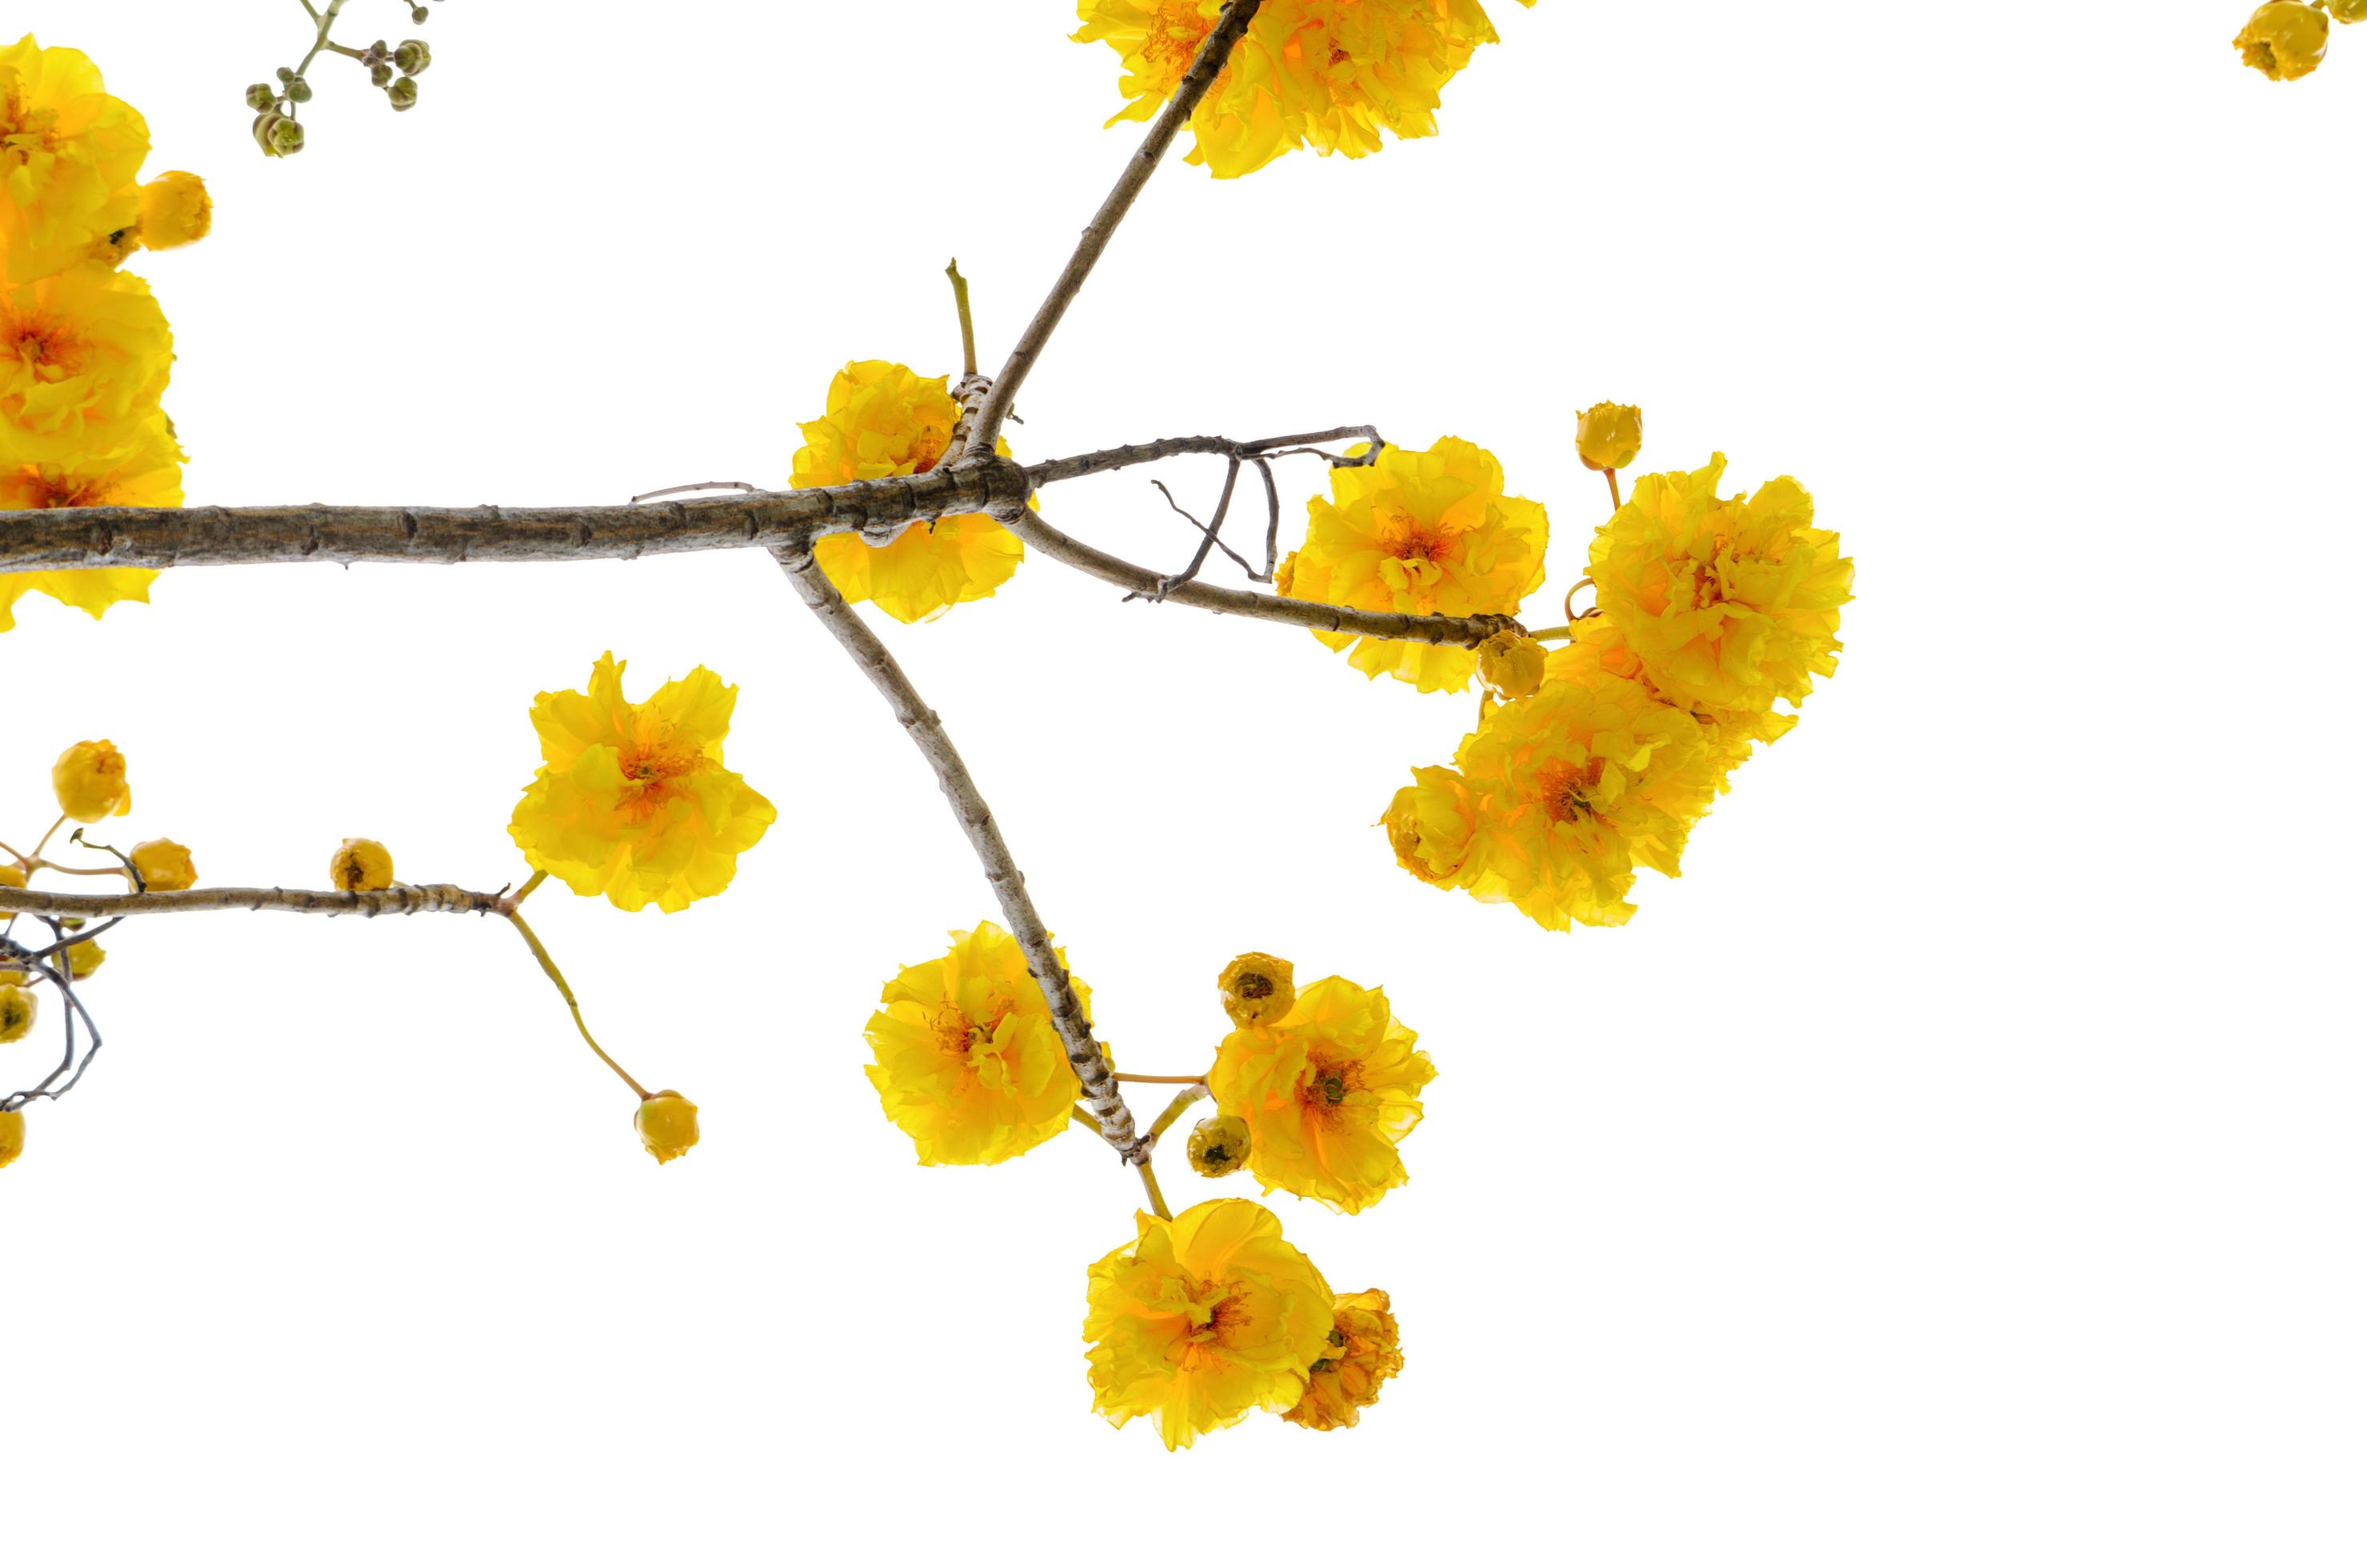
x=1328 y=1090
x=1728 y=604
x=1256 y=988
x=84 y=355
x=1511 y=664
x=90 y=781
x=164 y=866
x=882 y=420
x=175 y=210
x=12 y=1137
x=1423 y=533
x=966 y=1057
x=1431 y=823
x=1202 y=1319
x=84 y=959
x=1218 y=1146
x=1362 y=1355
x=69 y=159
x=1610 y=435
x=668 y=1124
x=361 y=865
x=633 y=800
x=18 y=1006
x=2285 y=40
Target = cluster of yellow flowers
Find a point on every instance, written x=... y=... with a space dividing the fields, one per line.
x=84 y=352
x=1599 y=757
x=883 y=421
x=1330 y=75
x=92 y=782
x=2285 y=40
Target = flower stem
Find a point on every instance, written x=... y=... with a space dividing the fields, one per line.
x=44 y=844
x=1176 y=1108
x=542 y=957
x=526 y=892
x=1150 y=1190
x=961 y=308
x=1613 y=475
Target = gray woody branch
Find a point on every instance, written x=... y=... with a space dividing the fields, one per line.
x=437 y=898
x=1102 y=1098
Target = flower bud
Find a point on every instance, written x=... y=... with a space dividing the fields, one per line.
x=261 y=96
x=279 y=136
x=1256 y=989
x=286 y=76
x=381 y=73
x=164 y=866
x=2285 y=40
x=11 y=876
x=84 y=959
x=1513 y=663
x=90 y=781
x=411 y=57
x=175 y=210
x=1218 y=1146
x=361 y=865
x=419 y=16
x=12 y=1137
x=402 y=92
x=1610 y=435
x=18 y=1008
x=299 y=91
x=668 y=1124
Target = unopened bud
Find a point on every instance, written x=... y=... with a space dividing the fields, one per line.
x=381 y=73
x=1218 y=1146
x=1610 y=435
x=668 y=1124
x=402 y=92
x=279 y=136
x=1514 y=664
x=285 y=74
x=361 y=865
x=2285 y=40
x=261 y=96
x=299 y=91
x=1256 y=989
x=12 y=1136
x=419 y=16
x=411 y=57
x=18 y=1008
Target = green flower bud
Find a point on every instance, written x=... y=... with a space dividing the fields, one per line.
x=402 y=92
x=299 y=91
x=285 y=74
x=278 y=135
x=380 y=74
x=412 y=57
x=418 y=15
x=261 y=96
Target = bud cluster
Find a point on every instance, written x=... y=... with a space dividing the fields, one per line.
x=393 y=69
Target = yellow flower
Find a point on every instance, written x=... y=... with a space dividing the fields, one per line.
x=966 y=1057
x=84 y=355
x=1202 y=1319
x=2285 y=40
x=18 y=1008
x=668 y=1124
x=882 y=420
x=1361 y=1356
x=1328 y=1090
x=1327 y=74
x=92 y=781
x=2348 y=11
x=175 y=210
x=69 y=159
x=1424 y=533
x=146 y=470
x=1256 y=988
x=1729 y=605
x=1579 y=785
x=633 y=800
x=12 y=1137
x=1431 y=823
x=1511 y=664
x=1218 y=1146
x=361 y=865
x=164 y=866
x=84 y=959
x=1610 y=435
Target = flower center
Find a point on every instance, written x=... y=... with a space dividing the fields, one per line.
x=1566 y=789
x=39 y=342
x=1326 y=1086
x=1174 y=34
x=46 y=488
x=1252 y=987
x=1408 y=538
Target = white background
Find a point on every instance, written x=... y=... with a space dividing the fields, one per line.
x=1960 y=1165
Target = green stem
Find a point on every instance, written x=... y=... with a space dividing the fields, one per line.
x=542 y=957
x=1176 y=1108
x=1150 y=1190
x=961 y=308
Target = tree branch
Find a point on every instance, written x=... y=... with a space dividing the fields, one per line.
x=1464 y=632
x=1206 y=67
x=436 y=898
x=1107 y=1107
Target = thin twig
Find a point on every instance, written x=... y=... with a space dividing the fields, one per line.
x=1206 y=67
x=740 y=485
x=1208 y=531
x=1111 y=1120
x=961 y=308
